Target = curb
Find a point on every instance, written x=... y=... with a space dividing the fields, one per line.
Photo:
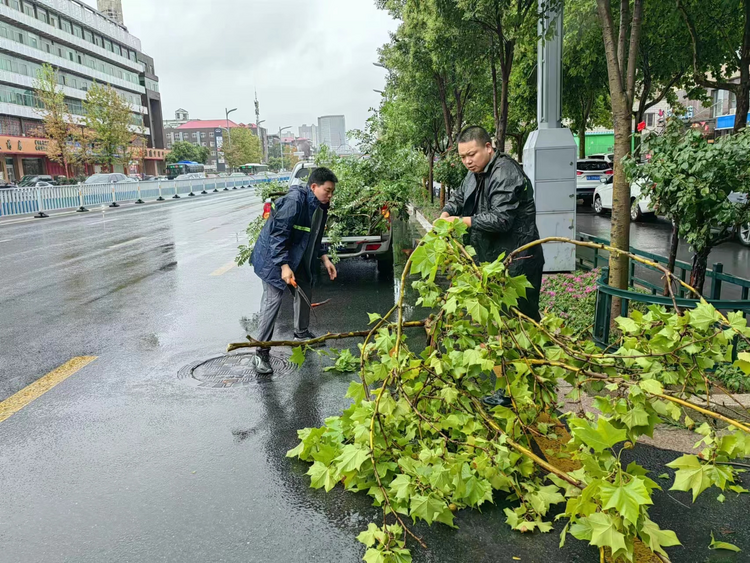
x=421 y=219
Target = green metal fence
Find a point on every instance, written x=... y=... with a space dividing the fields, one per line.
x=640 y=279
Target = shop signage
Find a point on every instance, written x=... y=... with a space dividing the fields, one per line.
x=23 y=145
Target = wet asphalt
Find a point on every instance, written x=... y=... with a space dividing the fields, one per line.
x=127 y=461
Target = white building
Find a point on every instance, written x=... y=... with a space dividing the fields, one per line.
x=332 y=131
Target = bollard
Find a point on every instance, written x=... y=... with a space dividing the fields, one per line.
x=225 y=186
x=234 y=185
x=176 y=195
x=139 y=200
x=159 y=198
x=81 y=209
x=204 y=192
x=40 y=202
x=191 y=194
x=216 y=187
x=114 y=198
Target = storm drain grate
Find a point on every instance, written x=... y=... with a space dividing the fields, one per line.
x=232 y=370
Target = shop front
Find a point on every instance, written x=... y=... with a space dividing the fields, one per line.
x=20 y=156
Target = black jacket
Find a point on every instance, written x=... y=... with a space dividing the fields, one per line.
x=503 y=214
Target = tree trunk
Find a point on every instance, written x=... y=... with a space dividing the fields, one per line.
x=674 y=245
x=442 y=195
x=582 y=143
x=700 y=265
x=619 y=265
x=505 y=69
x=743 y=99
x=743 y=106
x=431 y=176
x=495 y=102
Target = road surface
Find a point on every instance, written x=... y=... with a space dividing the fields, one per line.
x=129 y=459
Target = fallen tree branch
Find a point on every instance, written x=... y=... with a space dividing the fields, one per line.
x=297 y=343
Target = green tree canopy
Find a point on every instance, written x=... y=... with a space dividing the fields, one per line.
x=110 y=119
x=243 y=147
x=183 y=150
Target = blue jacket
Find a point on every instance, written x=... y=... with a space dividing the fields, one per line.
x=286 y=235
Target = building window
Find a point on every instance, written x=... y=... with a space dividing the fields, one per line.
x=33 y=41
x=212 y=143
x=53 y=20
x=98 y=40
x=649 y=120
x=88 y=36
x=66 y=26
x=15 y=4
x=41 y=15
x=29 y=10
x=77 y=31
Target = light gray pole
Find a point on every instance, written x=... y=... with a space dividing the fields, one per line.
x=549 y=157
x=281 y=144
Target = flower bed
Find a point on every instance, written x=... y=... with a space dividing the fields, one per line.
x=571 y=297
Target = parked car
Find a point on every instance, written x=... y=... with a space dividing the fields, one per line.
x=31 y=180
x=114 y=178
x=639 y=198
x=743 y=235
x=590 y=172
x=7 y=186
x=610 y=158
x=376 y=246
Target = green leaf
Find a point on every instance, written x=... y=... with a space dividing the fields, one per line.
x=703 y=316
x=428 y=508
x=373 y=555
x=743 y=362
x=322 y=476
x=600 y=530
x=626 y=499
x=351 y=459
x=356 y=391
x=722 y=545
x=374 y=317
x=296 y=452
x=298 y=356
x=651 y=386
x=691 y=475
x=478 y=312
x=627 y=325
x=371 y=535
x=636 y=416
x=604 y=436
x=656 y=538
x=449 y=394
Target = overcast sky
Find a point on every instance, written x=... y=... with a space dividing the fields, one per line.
x=306 y=58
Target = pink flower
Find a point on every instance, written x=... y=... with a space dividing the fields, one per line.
x=552 y=293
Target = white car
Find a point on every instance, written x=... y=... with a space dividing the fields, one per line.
x=639 y=198
x=590 y=172
x=301 y=172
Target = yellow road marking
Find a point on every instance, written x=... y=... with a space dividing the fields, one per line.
x=224 y=269
x=15 y=403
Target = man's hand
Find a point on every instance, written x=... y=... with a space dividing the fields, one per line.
x=288 y=276
x=443 y=215
x=332 y=273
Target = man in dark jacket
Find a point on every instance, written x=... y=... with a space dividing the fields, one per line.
x=496 y=201
x=286 y=253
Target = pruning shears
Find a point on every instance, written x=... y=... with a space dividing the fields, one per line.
x=304 y=297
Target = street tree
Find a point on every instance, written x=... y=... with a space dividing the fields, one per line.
x=184 y=150
x=621 y=48
x=243 y=148
x=64 y=134
x=720 y=46
x=505 y=24
x=586 y=102
x=692 y=180
x=110 y=120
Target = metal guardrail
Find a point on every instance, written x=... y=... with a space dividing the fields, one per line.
x=718 y=278
x=24 y=201
x=605 y=294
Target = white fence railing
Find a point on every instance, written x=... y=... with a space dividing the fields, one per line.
x=23 y=201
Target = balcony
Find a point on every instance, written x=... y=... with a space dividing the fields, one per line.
x=19 y=18
x=39 y=55
x=15 y=79
x=27 y=112
x=93 y=19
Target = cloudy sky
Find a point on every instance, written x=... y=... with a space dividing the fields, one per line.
x=305 y=57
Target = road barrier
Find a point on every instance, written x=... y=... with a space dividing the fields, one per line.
x=25 y=201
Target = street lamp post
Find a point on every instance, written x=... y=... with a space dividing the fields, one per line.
x=260 y=138
x=229 y=133
x=281 y=144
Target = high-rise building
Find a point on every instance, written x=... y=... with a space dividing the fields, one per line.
x=332 y=131
x=309 y=132
x=112 y=9
x=84 y=47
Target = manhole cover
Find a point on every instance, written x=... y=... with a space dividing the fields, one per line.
x=232 y=370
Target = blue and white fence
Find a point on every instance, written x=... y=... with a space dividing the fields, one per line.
x=23 y=201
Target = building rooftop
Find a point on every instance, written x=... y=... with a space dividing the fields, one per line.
x=207 y=124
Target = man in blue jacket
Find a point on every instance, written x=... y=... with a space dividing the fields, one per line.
x=286 y=253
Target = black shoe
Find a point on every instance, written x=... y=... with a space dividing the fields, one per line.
x=262 y=362
x=307 y=335
x=497 y=399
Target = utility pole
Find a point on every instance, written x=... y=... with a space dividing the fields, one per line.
x=229 y=133
x=257 y=125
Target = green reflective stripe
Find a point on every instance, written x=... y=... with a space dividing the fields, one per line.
x=301 y=228
x=273 y=206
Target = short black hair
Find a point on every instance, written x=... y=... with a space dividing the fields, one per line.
x=321 y=175
x=475 y=133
